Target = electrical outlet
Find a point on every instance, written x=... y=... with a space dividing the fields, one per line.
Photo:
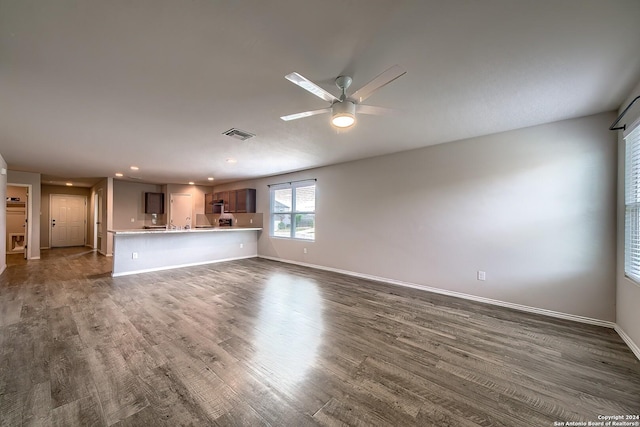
x=251 y=221
x=482 y=275
x=134 y=255
x=241 y=245
x=304 y=250
x=133 y=220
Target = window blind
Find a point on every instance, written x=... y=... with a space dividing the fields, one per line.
x=632 y=205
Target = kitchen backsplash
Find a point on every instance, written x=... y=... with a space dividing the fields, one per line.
x=239 y=219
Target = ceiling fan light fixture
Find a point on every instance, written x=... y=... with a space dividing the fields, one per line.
x=343 y=114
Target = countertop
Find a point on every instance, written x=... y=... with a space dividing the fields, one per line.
x=190 y=230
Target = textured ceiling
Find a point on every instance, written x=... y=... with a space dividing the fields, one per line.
x=88 y=88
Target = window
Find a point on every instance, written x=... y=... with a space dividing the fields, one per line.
x=632 y=206
x=293 y=210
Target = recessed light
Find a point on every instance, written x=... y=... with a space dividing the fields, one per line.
x=119 y=175
x=69 y=184
x=191 y=183
x=134 y=168
x=210 y=178
x=232 y=161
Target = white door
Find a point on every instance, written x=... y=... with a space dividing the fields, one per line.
x=67 y=215
x=180 y=213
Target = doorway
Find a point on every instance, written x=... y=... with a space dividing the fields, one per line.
x=17 y=230
x=67 y=220
x=97 y=220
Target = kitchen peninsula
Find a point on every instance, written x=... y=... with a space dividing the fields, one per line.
x=140 y=251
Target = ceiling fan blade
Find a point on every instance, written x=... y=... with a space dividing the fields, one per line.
x=305 y=114
x=370 y=109
x=306 y=84
x=382 y=80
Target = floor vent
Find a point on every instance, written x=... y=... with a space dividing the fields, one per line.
x=238 y=134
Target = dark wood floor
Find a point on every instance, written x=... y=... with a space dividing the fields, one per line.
x=256 y=342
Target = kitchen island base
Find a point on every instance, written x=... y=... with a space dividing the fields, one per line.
x=141 y=251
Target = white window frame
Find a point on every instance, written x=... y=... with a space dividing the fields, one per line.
x=632 y=204
x=293 y=186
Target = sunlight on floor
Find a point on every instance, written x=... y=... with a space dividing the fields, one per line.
x=289 y=327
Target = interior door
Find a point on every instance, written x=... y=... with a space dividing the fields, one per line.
x=67 y=220
x=181 y=209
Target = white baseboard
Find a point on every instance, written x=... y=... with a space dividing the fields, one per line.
x=627 y=339
x=171 y=267
x=514 y=306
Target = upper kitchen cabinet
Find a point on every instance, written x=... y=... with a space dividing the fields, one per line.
x=246 y=200
x=232 y=201
x=154 y=203
x=235 y=201
x=224 y=196
x=208 y=203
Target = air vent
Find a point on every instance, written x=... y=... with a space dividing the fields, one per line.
x=238 y=134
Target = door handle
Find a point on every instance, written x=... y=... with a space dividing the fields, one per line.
x=53 y=223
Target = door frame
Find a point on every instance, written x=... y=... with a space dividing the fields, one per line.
x=97 y=200
x=29 y=212
x=84 y=216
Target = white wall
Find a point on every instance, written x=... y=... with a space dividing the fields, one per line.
x=197 y=198
x=627 y=292
x=45 y=218
x=3 y=214
x=128 y=203
x=534 y=208
x=33 y=179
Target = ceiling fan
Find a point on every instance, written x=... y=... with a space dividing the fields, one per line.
x=343 y=110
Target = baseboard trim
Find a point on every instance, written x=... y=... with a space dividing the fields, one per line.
x=627 y=339
x=172 y=267
x=520 y=307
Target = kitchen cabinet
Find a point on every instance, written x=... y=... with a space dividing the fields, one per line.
x=154 y=203
x=232 y=201
x=235 y=201
x=208 y=206
x=246 y=200
x=224 y=196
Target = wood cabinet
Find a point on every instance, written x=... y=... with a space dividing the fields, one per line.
x=154 y=203
x=235 y=201
x=246 y=200
x=232 y=200
x=224 y=196
x=208 y=203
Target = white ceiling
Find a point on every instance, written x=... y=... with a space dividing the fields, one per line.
x=88 y=88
